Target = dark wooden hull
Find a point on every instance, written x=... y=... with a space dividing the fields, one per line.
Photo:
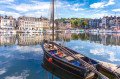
x=68 y=67
x=58 y=71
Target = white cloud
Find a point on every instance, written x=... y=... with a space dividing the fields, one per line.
x=23 y=75
x=75 y=47
x=26 y=49
x=6 y=1
x=2 y=71
x=37 y=14
x=116 y=10
x=102 y=4
x=97 y=51
x=105 y=52
x=31 y=7
x=98 y=14
x=112 y=57
x=76 y=7
x=7 y=55
x=111 y=2
x=97 y=5
x=16 y=15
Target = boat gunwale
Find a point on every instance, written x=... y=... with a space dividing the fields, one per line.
x=97 y=63
x=64 y=69
x=67 y=62
x=78 y=67
x=85 y=56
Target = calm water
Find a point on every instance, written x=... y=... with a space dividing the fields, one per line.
x=21 y=55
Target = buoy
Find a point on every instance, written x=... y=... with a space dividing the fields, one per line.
x=53 y=54
x=50 y=59
x=83 y=66
x=60 y=53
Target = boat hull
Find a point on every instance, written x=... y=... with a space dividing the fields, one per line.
x=58 y=71
x=68 y=67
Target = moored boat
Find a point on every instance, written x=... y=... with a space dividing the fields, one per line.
x=69 y=60
x=62 y=58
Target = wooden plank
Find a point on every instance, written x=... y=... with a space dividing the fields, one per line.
x=69 y=58
x=79 y=55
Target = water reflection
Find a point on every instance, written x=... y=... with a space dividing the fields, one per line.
x=105 y=39
x=21 y=55
x=36 y=39
x=7 y=40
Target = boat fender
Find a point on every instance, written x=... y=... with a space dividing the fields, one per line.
x=83 y=66
x=75 y=62
x=60 y=53
x=78 y=64
x=50 y=60
x=53 y=54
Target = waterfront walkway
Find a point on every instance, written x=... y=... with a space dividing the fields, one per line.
x=111 y=67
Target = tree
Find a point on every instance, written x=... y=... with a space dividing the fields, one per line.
x=83 y=36
x=73 y=25
x=75 y=37
x=84 y=23
x=78 y=25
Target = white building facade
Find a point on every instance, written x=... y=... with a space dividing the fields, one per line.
x=7 y=22
x=32 y=23
x=103 y=22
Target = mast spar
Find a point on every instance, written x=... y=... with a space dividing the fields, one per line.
x=53 y=19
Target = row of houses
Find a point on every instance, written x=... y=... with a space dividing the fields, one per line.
x=7 y=22
x=31 y=23
x=63 y=25
x=104 y=23
x=24 y=23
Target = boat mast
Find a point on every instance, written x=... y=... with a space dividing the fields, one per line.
x=53 y=21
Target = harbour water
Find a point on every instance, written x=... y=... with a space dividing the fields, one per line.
x=21 y=55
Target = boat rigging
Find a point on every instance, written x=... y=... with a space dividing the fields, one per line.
x=68 y=59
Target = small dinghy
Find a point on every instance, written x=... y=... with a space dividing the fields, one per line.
x=71 y=61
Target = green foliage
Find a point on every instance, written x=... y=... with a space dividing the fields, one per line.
x=84 y=23
x=75 y=21
x=83 y=36
x=79 y=36
x=73 y=25
x=75 y=37
x=78 y=25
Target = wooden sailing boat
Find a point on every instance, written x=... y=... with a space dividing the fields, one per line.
x=69 y=60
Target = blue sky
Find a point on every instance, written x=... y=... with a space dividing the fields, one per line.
x=64 y=8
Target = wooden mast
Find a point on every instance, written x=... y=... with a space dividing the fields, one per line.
x=53 y=21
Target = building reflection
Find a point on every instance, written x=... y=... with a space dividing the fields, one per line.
x=105 y=39
x=36 y=39
x=7 y=39
x=63 y=37
x=27 y=39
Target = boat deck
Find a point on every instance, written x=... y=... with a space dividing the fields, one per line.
x=67 y=57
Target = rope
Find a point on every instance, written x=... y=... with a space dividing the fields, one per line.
x=88 y=65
